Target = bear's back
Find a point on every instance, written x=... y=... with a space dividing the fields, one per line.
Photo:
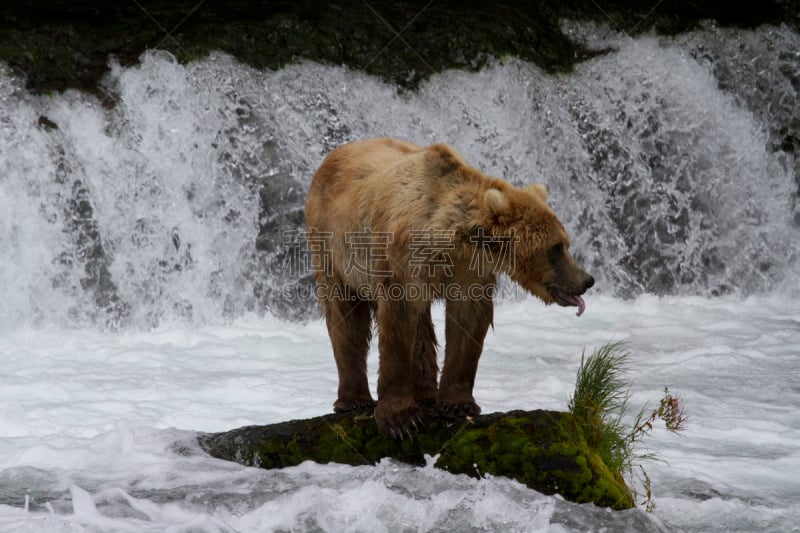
x=372 y=156
x=381 y=171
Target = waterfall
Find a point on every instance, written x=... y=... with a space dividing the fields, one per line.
x=672 y=162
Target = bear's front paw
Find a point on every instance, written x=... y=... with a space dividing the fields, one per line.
x=397 y=419
x=346 y=406
x=458 y=409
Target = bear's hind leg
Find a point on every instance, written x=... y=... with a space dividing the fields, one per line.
x=465 y=329
x=350 y=329
x=426 y=369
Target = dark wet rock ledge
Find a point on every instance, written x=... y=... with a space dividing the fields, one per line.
x=60 y=44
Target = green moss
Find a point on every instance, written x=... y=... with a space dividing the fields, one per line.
x=273 y=452
x=546 y=456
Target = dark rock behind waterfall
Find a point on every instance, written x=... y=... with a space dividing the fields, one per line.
x=60 y=44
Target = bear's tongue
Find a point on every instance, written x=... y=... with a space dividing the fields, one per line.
x=576 y=300
x=581 y=306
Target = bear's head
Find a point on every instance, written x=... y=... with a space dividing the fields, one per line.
x=532 y=244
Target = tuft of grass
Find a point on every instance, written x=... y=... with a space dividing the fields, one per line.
x=601 y=404
x=600 y=401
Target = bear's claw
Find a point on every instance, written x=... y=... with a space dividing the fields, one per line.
x=396 y=433
x=458 y=410
x=346 y=406
x=398 y=425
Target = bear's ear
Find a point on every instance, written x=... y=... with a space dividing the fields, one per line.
x=497 y=202
x=538 y=189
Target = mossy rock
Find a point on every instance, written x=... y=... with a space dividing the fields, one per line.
x=544 y=450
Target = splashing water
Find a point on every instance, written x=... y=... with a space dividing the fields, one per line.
x=668 y=169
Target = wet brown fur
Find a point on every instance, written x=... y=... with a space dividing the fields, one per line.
x=392 y=186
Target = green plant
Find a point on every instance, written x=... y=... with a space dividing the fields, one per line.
x=601 y=403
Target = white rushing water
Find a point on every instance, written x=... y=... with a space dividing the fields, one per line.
x=146 y=294
x=97 y=428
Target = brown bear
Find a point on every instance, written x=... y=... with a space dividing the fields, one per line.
x=392 y=226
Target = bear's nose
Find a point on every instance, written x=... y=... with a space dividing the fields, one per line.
x=589 y=283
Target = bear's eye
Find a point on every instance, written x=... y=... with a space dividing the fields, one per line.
x=556 y=253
